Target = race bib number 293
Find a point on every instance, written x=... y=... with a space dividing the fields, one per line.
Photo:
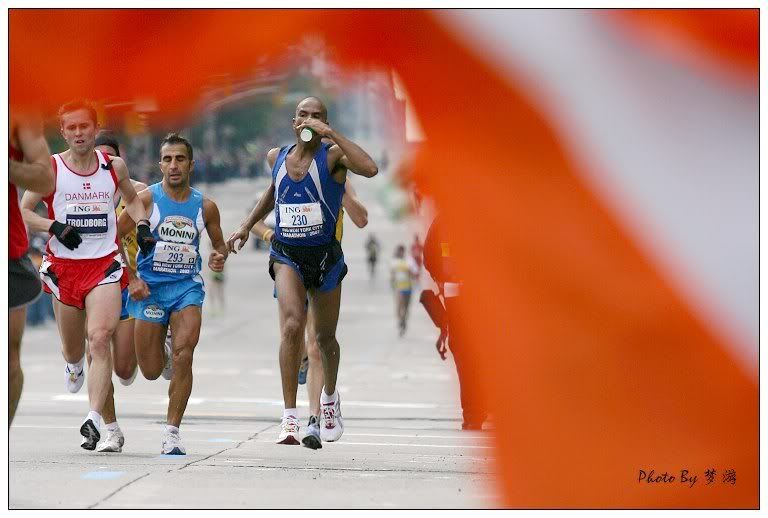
x=175 y=253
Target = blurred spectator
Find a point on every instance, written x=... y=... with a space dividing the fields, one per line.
x=200 y=174
x=416 y=253
x=442 y=308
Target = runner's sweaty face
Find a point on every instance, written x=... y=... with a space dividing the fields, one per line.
x=309 y=108
x=79 y=130
x=175 y=165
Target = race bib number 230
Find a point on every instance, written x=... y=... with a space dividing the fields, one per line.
x=300 y=215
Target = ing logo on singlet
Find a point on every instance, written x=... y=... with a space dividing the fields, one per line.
x=177 y=229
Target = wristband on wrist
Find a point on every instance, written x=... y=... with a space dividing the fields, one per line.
x=266 y=235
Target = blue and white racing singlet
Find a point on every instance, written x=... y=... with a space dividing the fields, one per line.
x=177 y=228
x=306 y=211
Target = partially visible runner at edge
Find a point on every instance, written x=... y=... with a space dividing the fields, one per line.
x=403 y=272
x=29 y=167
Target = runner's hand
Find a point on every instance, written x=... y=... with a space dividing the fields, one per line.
x=440 y=345
x=138 y=289
x=242 y=235
x=316 y=125
x=144 y=237
x=66 y=234
x=216 y=261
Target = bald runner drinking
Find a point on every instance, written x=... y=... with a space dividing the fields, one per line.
x=305 y=258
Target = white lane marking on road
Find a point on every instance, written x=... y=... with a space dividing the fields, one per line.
x=262 y=372
x=192 y=401
x=419 y=445
x=274 y=402
x=217 y=372
x=413 y=376
x=397 y=444
x=187 y=428
x=70 y=397
x=417 y=436
x=102 y=475
x=269 y=439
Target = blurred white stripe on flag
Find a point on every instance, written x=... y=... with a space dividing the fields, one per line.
x=670 y=149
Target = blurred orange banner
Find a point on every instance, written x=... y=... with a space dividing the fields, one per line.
x=596 y=369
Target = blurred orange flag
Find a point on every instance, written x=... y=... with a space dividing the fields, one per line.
x=597 y=368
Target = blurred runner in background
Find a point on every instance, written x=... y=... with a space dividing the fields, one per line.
x=372 y=248
x=402 y=275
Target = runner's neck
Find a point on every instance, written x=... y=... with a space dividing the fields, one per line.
x=81 y=164
x=303 y=149
x=179 y=194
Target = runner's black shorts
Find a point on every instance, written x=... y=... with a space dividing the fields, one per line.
x=320 y=267
x=23 y=283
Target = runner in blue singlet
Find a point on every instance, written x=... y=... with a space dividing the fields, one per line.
x=305 y=257
x=168 y=289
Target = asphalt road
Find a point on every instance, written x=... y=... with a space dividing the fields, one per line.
x=402 y=446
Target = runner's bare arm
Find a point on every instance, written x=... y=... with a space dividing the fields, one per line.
x=133 y=206
x=265 y=204
x=35 y=172
x=351 y=203
x=125 y=223
x=344 y=152
x=262 y=231
x=212 y=220
x=35 y=222
x=138 y=186
x=267 y=201
x=351 y=156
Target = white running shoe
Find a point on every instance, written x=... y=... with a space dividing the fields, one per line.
x=289 y=431
x=113 y=442
x=127 y=382
x=172 y=444
x=90 y=433
x=74 y=380
x=168 y=369
x=331 y=423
